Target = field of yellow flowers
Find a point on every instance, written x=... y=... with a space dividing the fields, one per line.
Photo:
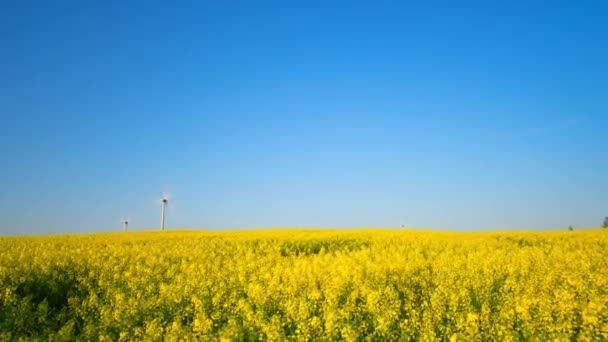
x=306 y=285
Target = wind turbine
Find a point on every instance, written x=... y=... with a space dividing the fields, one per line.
x=163 y=201
x=125 y=224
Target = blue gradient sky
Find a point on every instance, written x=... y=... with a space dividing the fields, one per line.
x=446 y=115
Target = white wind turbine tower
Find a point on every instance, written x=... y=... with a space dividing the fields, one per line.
x=163 y=201
x=125 y=224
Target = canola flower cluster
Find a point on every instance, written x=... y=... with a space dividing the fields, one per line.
x=306 y=285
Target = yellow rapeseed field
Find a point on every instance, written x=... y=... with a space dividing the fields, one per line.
x=306 y=285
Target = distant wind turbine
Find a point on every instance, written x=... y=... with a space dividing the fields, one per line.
x=163 y=201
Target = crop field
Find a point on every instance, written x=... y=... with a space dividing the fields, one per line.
x=306 y=285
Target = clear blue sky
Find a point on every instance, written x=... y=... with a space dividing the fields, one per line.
x=446 y=115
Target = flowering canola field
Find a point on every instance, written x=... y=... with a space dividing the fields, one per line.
x=305 y=285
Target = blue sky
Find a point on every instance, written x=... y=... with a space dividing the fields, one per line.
x=447 y=115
